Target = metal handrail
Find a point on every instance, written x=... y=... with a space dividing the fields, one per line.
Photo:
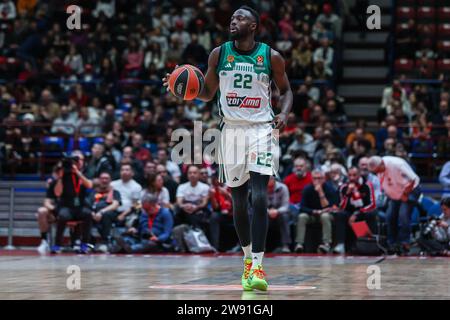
x=10 y=245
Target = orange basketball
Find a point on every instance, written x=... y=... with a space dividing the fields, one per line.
x=186 y=82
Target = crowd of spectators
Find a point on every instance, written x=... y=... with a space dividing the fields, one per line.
x=99 y=90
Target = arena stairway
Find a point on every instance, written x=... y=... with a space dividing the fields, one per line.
x=365 y=70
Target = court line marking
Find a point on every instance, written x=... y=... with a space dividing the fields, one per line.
x=231 y=287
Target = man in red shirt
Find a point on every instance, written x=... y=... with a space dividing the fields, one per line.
x=298 y=180
x=140 y=152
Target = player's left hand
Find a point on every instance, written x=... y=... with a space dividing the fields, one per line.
x=280 y=120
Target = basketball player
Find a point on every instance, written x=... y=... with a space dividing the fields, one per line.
x=242 y=71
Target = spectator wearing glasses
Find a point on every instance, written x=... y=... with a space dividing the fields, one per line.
x=156 y=188
x=102 y=205
x=319 y=200
x=150 y=231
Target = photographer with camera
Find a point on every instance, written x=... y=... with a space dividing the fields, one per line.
x=149 y=231
x=102 y=205
x=435 y=237
x=71 y=189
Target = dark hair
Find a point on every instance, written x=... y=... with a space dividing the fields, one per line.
x=445 y=202
x=127 y=164
x=254 y=13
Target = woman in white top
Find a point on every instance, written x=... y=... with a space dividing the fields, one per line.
x=155 y=186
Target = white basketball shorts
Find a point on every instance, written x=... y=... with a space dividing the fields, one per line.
x=246 y=147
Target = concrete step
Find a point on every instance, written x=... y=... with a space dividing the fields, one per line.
x=348 y=90
x=361 y=109
x=363 y=54
x=369 y=72
x=371 y=37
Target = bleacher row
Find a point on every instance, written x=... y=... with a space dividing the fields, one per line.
x=432 y=27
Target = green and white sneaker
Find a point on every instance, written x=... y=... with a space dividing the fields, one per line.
x=257 y=279
x=246 y=274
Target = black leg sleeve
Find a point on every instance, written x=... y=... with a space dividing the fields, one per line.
x=240 y=213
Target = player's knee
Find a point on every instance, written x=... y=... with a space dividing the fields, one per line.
x=259 y=201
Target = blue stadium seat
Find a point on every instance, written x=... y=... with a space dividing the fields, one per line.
x=53 y=146
x=98 y=140
x=84 y=145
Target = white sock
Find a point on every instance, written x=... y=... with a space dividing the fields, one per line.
x=257 y=259
x=247 y=251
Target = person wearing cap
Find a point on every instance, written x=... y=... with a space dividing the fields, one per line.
x=149 y=231
x=402 y=186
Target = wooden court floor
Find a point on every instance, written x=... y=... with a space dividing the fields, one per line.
x=186 y=277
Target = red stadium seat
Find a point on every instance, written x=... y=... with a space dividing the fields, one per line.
x=444 y=31
x=429 y=63
x=404 y=65
x=405 y=13
x=426 y=14
x=401 y=27
x=443 y=46
x=443 y=65
x=443 y=14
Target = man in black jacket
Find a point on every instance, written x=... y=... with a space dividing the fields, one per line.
x=357 y=203
x=319 y=200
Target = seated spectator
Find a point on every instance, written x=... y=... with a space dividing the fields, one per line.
x=278 y=210
x=149 y=169
x=129 y=191
x=169 y=183
x=363 y=166
x=360 y=133
x=221 y=205
x=139 y=151
x=128 y=157
x=98 y=162
x=156 y=187
x=319 y=200
x=330 y=20
x=101 y=205
x=303 y=142
x=357 y=203
x=394 y=92
x=444 y=179
x=150 y=230
x=337 y=176
x=86 y=124
x=71 y=189
x=66 y=123
x=192 y=199
x=298 y=180
x=324 y=54
x=111 y=151
x=172 y=167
